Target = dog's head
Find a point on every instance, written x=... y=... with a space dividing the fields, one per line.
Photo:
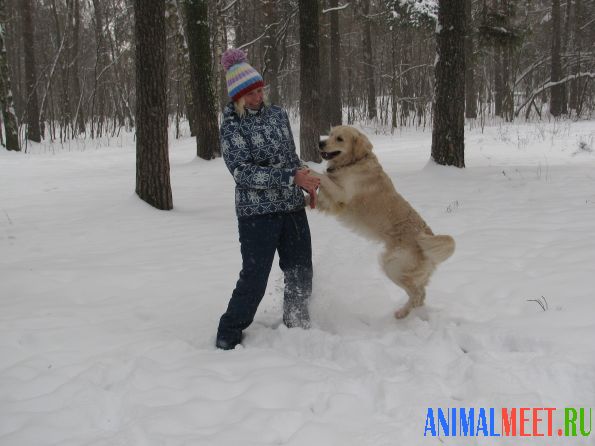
x=345 y=145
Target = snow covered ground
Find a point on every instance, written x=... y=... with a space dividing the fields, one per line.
x=108 y=308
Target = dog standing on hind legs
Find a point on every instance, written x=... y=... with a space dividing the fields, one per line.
x=357 y=191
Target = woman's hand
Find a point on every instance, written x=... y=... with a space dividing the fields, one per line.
x=304 y=179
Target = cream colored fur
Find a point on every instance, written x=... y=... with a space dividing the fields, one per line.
x=357 y=191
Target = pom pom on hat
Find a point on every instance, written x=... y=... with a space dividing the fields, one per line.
x=231 y=57
x=240 y=76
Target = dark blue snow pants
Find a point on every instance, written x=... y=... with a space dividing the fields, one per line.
x=260 y=237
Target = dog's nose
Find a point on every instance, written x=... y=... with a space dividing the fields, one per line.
x=321 y=144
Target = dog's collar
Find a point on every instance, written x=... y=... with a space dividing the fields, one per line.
x=334 y=169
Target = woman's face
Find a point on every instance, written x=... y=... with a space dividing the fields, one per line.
x=254 y=98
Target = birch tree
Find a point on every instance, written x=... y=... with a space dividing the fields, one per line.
x=8 y=113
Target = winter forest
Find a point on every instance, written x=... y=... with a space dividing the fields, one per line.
x=70 y=64
x=120 y=244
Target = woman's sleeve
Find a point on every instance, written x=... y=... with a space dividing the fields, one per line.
x=292 y=142
x=238 y=159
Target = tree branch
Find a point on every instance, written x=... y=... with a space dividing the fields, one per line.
x=337 y=8
x=550 y=84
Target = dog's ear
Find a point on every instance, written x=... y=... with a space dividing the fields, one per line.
x=366 y=143
x=361 y=145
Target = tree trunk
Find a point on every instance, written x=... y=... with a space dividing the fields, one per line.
x=508 y=99
x=221 y=46
x=239 y=26
x=393 y=83
x=368 y=59
x=574 y=85
x=271 y=59
x=405 y=82
x=33 y=125
x=506 y=55
x=177 y=25
x=65 y=109
x=325 y=79
x=470 y=88
x=99 y=89
x=564 y=50
x=336 y=110
x=448 y=135
x=124 y=111
x=79 y=110
x=8 y=114
x=309 y=81
x=556 y=91
x=207 y=136
x=498 y=81
x=152 y=162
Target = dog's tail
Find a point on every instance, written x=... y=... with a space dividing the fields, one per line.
x=437 y=247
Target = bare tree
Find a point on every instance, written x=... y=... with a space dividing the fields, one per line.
x=152 y=162
x=367 y=59
x=221 y=43
x=8 y=113
x=309 y=81
x=84 y=50
x=79 y=111
x=271 y=55
x=576 y=66
x=335 y=112
x=207 y=137
x=324 y=84
x=33 y=124
x=101 y=68
x=470 y=89
x=62 y=59
x=448 y=135
x=176 y=22
x=556 y=91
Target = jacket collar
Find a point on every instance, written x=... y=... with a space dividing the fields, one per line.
x=230 y=110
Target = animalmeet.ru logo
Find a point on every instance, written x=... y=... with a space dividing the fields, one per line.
x=507 y=422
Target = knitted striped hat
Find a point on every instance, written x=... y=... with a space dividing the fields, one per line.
x=241 y=77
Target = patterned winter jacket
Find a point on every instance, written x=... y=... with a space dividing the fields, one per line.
x=259 y=151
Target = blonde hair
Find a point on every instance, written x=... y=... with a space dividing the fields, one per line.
x=240 y=106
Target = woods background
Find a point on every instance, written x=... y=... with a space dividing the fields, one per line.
x=68 y=66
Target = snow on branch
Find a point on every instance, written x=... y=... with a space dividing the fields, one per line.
x=550 y=85
x=336 y=8
x=227 y=7
x=266 y=30
x=530 y=69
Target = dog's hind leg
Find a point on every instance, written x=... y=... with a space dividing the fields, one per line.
x=402 y=267
x=416 y=299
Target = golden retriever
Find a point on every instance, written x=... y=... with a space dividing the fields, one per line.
x=357 y=191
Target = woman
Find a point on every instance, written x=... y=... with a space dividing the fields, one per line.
x=259 y=151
